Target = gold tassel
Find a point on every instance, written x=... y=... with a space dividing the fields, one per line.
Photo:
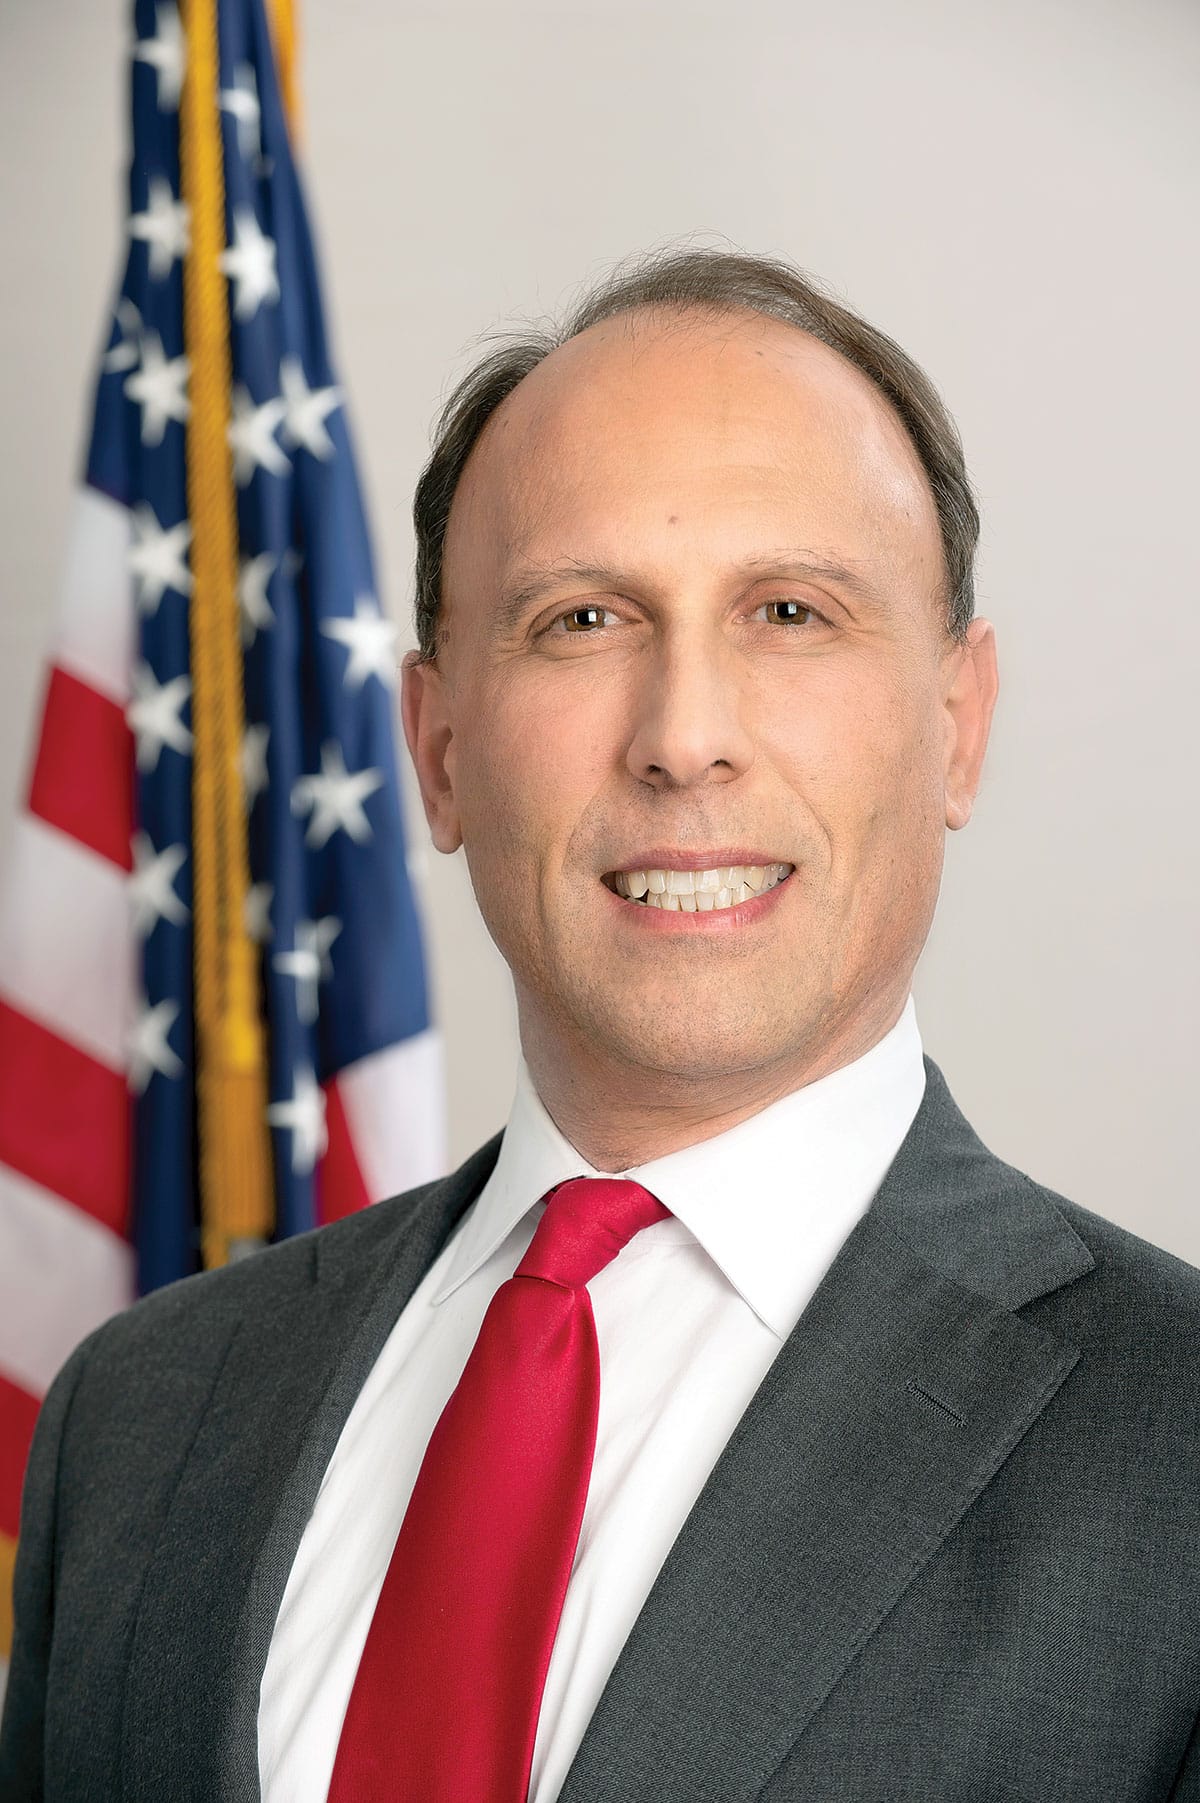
x=235 y=1175
x=285 y=43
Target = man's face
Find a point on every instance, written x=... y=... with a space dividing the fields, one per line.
x=640 y=675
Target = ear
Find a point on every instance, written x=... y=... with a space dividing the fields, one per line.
x=430 y=739
x=969 y=702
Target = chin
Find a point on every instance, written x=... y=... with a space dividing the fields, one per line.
x=683 y=1048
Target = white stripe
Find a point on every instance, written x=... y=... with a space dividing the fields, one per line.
x=67 y=947
x=61 y=1275
x=395 y=1104
x=96 y=625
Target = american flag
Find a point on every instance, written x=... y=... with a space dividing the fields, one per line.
x=98 y=1047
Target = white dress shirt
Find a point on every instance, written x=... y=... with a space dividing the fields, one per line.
x=689 y=1317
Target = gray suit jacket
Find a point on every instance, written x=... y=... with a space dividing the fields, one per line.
x=951 y=1553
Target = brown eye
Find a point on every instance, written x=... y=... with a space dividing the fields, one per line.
x=584 y=619
x=786 y=612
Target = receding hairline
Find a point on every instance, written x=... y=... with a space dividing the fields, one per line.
x=685 y=287
x=675 y=317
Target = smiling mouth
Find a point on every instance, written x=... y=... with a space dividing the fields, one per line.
x=697 y=891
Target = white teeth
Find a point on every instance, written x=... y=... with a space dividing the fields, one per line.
x=699 y=891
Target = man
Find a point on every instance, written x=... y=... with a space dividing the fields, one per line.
x=818 y=1454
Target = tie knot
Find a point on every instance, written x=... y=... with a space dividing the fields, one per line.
x=587 y=1222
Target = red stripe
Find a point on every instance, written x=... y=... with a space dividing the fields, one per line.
x=64 y=1119
x=83 y=777
x=340 y=1189
x=18 y=1412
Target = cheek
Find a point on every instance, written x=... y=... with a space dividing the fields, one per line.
x=905 y=827
x=861 y=748
x=515 y=779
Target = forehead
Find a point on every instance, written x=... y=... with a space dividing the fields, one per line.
x=728 y=426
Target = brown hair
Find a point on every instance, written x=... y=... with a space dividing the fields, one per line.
x=712 y=282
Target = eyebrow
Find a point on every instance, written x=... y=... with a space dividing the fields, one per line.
x=533 y=581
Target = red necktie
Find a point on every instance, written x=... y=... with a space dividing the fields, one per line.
x=445 y=1703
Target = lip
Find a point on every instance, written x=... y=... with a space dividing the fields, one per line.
x=640 y=919
x=662 y=857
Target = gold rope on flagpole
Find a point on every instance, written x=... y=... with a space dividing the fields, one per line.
x=236 y=1190
x=285 y=41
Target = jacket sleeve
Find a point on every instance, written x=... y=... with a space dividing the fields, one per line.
x=22 y=1729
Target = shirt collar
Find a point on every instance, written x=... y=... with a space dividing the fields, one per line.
x=770 y=1200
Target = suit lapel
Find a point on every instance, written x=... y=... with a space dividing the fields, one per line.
x=285 y=1381
x=902 y=1389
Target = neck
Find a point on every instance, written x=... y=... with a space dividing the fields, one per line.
x=618 y=1115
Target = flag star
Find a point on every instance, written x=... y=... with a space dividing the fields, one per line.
x=254 y=763
x=255 y=574
x=163 y=226
x=304 y=1117
x=124 y=353
x=252 y=436
x=147 y=1045
x=370 y=637
x=156 y=557
x=152 y=885
x=166 y=54
x=335 y=798
x=157 y=387
x=256 y=912
x=250 y=265
x=154 y=714
x=307 y=409
x=309 y=963
x=241 y=103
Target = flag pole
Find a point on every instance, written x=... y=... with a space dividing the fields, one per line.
x=235 y=1173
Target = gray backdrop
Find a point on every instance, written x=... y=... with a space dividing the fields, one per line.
x=1007 y=189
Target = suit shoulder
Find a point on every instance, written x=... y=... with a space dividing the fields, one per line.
x=204 y=1304
x=1139 y=1305
x=1158 y=1275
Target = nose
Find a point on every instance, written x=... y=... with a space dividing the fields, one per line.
x=689 y=727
